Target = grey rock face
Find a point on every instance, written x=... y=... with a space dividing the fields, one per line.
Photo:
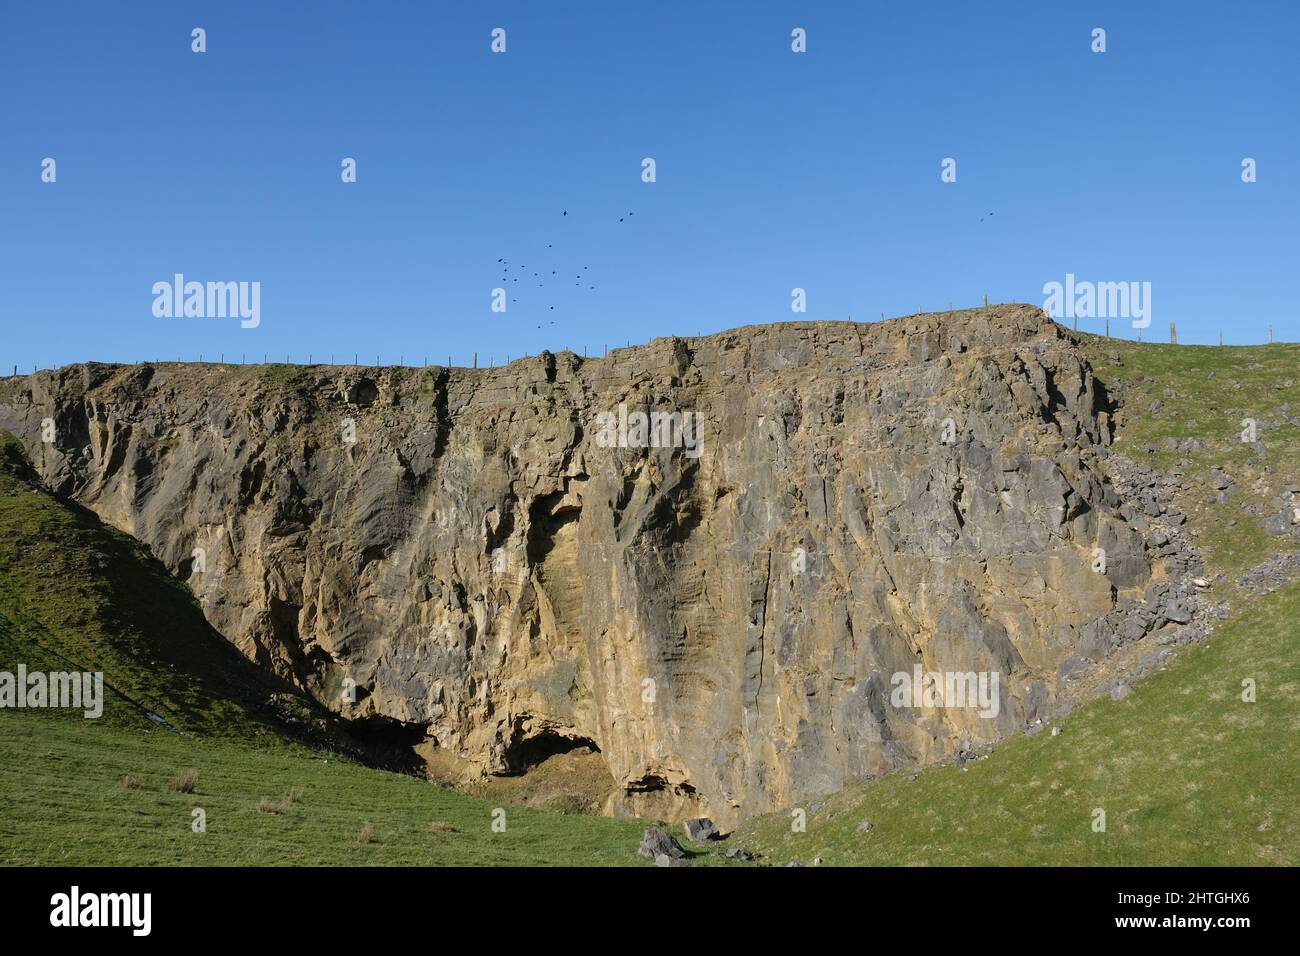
x=462 y=552
x=1280 y=523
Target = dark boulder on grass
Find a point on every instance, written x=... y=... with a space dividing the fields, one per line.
x=657 y=843
x=700 y=829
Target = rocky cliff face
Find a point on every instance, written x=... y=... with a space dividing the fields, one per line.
x=722 y=613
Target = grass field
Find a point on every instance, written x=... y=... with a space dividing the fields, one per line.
x=64 y=802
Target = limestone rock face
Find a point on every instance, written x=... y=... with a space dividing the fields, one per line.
x=722 y=613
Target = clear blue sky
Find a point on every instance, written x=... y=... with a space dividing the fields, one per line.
x=775 y=169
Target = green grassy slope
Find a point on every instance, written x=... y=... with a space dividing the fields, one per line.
x=62 y=801
x=1205 y=393
x=78 y=595
x=1185 y=771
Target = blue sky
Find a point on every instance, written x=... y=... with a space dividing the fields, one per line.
x=775 y=170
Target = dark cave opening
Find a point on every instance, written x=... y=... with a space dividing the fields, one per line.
x=528 y=753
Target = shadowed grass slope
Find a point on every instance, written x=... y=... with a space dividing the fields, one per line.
x=77 y=595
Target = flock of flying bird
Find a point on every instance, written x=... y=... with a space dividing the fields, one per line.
x=541 y=277
x=509 y=282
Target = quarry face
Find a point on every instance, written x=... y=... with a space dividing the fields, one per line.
x=710 y=558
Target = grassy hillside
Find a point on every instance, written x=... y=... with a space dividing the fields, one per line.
x=78 y=595
x=1186 y=772
x=1187 y=404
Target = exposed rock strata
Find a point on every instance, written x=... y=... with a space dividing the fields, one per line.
x=723 y=627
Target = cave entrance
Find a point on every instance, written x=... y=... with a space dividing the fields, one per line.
x=523 y=755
